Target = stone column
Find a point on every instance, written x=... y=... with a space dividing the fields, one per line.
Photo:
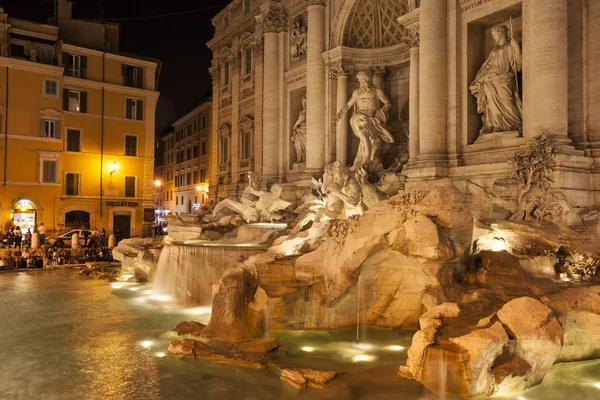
x=272 y=21
x=545 y=69
x=433 y=82
x=593 y=79
x=341 y=72
x=315 y=86
x=378 y=75
x=215 y=73
x=235 y=62
x=413 y=119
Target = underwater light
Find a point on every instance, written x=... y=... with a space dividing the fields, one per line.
x=395 y=348
x=363 y=358
x=127 y=276
x=364 y=346
x=116 y=286
x=146 y=344
x=596 y=385
x=160 y=355
x=308 y=349
x=133 y=289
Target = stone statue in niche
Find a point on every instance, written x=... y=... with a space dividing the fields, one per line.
x=495 y=86
x=299 y=135
x=298 y=40
x=368 y=122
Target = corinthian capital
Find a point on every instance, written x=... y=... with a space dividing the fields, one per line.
x=235 y=59
x=337 y=69
x=272 y=19
x=215 y=71
x=412 y=37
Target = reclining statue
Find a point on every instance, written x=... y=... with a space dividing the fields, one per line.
x=255 y=204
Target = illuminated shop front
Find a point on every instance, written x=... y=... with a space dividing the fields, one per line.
x=24 y=215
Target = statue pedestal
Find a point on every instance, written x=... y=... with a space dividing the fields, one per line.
x=497 y=138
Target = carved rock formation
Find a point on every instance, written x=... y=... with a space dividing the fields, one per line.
x=300 y=378
x=190 y=348
x=231 y=318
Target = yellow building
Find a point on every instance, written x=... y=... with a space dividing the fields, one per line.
x=183 y=175
x=76 y=126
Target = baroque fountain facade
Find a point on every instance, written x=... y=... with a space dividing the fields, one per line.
x=408 y=164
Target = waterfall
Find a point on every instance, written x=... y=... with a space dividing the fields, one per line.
x=186 y=272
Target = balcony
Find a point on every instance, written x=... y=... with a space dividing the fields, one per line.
x=44 y=56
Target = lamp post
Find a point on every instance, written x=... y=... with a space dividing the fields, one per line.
x=158 y=184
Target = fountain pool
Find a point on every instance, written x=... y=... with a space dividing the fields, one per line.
x=67 y=337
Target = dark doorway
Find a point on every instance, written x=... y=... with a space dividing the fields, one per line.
x=122 y=222
x=77 y=219
x=189 y=207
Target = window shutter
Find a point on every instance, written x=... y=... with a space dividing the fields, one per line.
x=128 y=108
x=124 y=69
x=42 y=126
x=140 y=82
x=83 y=67
x=83 y=105
x=140 y=107
x=57 y=129
x=65 y=99
x=65 y=58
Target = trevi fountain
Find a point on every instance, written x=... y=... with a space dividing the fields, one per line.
x=420 y=218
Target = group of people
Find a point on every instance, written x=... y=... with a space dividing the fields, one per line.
x=47 y=257
x=159 y=228
x=13 y=236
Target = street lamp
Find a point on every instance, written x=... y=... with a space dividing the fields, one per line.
x=114 y=168
x=157 y=183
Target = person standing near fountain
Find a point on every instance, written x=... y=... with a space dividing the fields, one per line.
x=495 y=86
x=368 y=121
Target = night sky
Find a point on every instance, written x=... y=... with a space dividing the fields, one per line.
x=179 y=41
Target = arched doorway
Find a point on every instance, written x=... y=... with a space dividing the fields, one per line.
x=24 y=215
x=77 y=219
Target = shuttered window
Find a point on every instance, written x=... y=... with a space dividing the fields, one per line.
x=72 y=184
x=73 y=140
x=130 y=186
x=131 y=145
x=134 y=109
x=49 y=171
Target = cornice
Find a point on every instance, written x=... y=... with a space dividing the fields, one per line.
x=309 y=3
x=84 y=50
x=387 y=56
x=69 y=80
x=31 y=66
x=466 y=5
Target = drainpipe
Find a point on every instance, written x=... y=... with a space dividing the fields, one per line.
x=102 y=130
x=6 y=131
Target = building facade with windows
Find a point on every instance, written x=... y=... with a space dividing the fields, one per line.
x=183 y=176
x=77 y=126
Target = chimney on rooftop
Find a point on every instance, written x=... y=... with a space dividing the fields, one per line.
x=64 y=9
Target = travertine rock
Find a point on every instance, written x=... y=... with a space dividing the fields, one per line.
x=189 y=328
x=303 y=377
x=257 y=346
x=231 y=318
x=538 y=337
x=422 y=239
x=189 y=348
x=482 y=347
x=579 y=314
